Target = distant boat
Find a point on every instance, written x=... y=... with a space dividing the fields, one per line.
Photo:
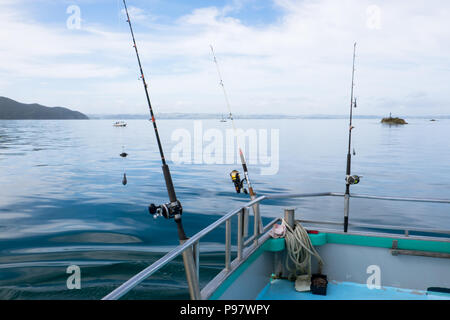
x=120 y=124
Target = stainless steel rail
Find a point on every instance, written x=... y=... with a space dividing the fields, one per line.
x=241 y=244
x=405 y=229
x=144 y=274
x=365 y=196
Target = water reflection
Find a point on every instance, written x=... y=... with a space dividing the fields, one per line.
x=62 y=200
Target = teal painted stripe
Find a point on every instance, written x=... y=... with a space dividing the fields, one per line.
x=323 y=238
x=274 y=245
x=279 y=244
x=443 y=247
x=236 y=274
x=318 y=239
x=381 y=242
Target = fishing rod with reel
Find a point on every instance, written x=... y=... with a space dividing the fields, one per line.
x=235 y=175
x=350 y=179
x=173 y=209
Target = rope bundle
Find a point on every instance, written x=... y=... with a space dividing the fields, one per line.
x=299 y=250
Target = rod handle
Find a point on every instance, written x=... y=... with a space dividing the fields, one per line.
x=169 y=183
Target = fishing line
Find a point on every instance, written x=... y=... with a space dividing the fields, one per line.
x=349 y=179
x=123 y=154
x=235 y=174
x=230 y=116
x=353 y=138
x=173 y=209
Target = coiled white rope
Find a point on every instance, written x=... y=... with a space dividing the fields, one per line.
x=299 y=251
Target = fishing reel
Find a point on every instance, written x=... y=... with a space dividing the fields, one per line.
x=352 y=179
x=238 y=183
x=168 y=210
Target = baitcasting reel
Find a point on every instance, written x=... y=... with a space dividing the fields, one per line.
x=238 y=183
x=168 y=210
x=352 y=179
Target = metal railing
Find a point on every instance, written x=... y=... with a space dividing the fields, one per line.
x=193 y=242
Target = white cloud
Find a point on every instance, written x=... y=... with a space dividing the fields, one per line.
x=299 y=64
x=138 y=15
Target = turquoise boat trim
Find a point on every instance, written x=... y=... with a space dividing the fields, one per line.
x=318 y=239
x=385 y=242
x=237 y=273
x=274 y=245
x=279 y=244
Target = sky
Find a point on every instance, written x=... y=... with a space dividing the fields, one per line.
x=289 y=57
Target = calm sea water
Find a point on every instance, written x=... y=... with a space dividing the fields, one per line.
x=62 y=202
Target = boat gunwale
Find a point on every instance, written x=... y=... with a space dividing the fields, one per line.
x=219 y=284
x=194 y=240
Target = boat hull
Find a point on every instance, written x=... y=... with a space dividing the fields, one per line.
x=358 y=266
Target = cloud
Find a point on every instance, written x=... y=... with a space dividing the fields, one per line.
x=300 y=63
x=139 y=15
x=35 y=50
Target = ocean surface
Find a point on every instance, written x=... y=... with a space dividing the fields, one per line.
x=62 y=201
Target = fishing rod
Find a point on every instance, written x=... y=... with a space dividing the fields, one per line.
x=349 y=179
x=173 y=209
x=235 y=176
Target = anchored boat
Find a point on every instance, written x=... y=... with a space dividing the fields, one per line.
x=120 y=124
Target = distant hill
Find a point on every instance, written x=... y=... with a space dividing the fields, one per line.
x=13 y=110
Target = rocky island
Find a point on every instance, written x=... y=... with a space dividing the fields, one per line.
x=13 y=110
x=395 y=121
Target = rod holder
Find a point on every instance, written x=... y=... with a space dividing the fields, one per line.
x=245 y=217
x=289 y=217
x=228 y=245
x=346 y=211
x=191 y=272
x=240 y=235
x=257 y=229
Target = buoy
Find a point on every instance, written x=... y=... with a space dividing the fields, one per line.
x=124 y=180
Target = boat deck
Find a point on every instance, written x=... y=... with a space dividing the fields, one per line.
x=284 y=290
